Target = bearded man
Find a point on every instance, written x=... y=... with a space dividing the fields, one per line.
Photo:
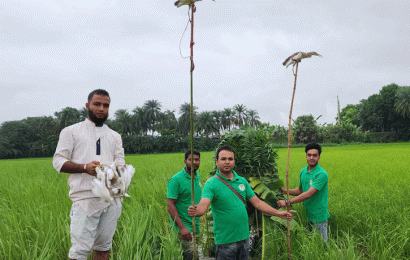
x=81 y=148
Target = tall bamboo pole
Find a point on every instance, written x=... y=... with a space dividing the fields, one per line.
x=287 y=165
x=195 y=253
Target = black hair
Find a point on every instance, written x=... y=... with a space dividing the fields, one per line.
x=313 y=146
x=226 y=148
x=187 y=153
x=98 y=92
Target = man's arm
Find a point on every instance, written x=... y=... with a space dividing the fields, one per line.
x=200 y=209
x=70 y=167
x=294 y=192
x=172 y=210
x=302 y=196
x=265 y=208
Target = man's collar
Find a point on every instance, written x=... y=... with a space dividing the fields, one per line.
x=188 y=175
x=235 y=175
x=314 y=168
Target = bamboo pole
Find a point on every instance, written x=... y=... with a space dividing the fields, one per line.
x=287 y=165
x=195 y=253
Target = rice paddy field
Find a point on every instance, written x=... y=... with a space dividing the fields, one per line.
x=369 y=203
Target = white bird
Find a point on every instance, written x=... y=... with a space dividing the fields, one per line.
x=298 y=56
x=112 y=181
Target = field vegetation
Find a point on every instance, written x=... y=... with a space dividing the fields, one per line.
x=369 y=191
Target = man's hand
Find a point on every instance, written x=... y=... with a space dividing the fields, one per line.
x=185 y=234
x=286 y=215
x=90 y=168
x=192 y=211
x=283 y=190
x=281 y=203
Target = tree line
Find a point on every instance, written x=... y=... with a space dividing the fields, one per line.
x=145 y=129
x=383 y=117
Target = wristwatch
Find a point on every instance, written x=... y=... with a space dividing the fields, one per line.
x=286 y=201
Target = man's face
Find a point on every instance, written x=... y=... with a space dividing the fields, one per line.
x=312 y=157
x=188 y=163
x=225 y=161
x=98 y=108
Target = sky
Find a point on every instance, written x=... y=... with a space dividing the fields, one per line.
x=54 y=52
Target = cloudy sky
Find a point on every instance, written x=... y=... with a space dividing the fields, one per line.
x=54 y=52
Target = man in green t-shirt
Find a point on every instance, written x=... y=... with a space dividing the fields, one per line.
x=179 y=199
x=312 y=190
x=231 y=227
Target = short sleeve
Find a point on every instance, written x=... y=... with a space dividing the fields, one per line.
x=320 y=180
x=249 y=191
x=173 y=189
x=300 y=179
x=207 y=191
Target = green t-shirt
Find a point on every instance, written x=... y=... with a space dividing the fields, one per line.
x=229 y=212
x=316 y=206
x=179 y=188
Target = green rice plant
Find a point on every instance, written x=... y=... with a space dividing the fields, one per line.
x=369 y=193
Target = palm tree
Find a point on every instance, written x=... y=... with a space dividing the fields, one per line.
x=168 y=121
x=227 y=119
x=240 y=112
x=124 y=122
x=402 y=104
x=252 y=118
x=153 y=114
x=67 y=116
x=217 y=115
x=184 y=120
x=140 y=120
x=83 y=114
x=206 y=124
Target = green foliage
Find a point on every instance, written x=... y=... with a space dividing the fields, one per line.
x=350 y=114
x=343 y=132
x=402 y=104
x=305 y=129
x=254 y=154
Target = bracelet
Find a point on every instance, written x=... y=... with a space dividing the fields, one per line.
x=85 y=167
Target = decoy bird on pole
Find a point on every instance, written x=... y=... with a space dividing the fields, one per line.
x=298 y=56
x=294 y=59
x=180 y=3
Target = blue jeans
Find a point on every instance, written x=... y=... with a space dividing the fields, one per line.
x=234 y=251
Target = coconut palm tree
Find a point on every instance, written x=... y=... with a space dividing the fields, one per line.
x=402 y=104
x=140 y=119
x=206 y=124
x=168 y=121
x=184 y=122
x=83 y=114
x=227 y=119
x=252 y=118
x=124 y=122
x=67 y=116
x=218 y=115
x=240 y=113
x=153 y=114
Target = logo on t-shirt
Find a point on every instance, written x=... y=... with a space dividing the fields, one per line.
x=311 y=182
x=241 y=187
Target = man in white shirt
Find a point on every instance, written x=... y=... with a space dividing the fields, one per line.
x=81 y=148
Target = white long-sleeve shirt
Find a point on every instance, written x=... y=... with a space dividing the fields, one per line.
x=78 y=144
